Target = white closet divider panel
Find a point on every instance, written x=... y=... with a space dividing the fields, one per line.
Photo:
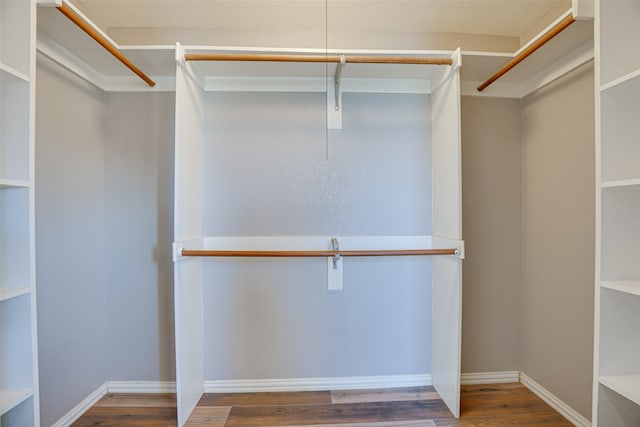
x=447 y=223
x=188 y=233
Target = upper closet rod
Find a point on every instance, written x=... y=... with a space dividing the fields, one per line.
x=69 y=13
x=327 y=253
x=316 y=58
x=554 y=31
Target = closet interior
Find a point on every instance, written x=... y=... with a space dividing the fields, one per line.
x=217 y=232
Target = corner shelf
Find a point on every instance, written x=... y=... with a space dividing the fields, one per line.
x=13 y=398
x=627 y=386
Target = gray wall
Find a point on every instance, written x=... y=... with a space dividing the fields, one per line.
x=491 y=229
x=528 y=308
x=267 y=173
x=558 y=226
x=104 y=206
x=70 y=239
x=139 y=224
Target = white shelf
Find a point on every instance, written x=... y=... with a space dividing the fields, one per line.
x=626 y=286
x=621 y=80
x=620 y=183
x=625 y=385
x=9 y=399
x=13 y=183
x=13 y=72
x=8 y=293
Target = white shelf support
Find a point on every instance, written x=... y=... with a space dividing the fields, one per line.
x=341 y=64
x=334 y=268
x=334 y=97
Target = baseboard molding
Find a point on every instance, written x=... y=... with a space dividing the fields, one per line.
x=553 y=401
x=141 y=386
x=314 y=384
x=331 y=383
x=82 y=407
x=490 y=377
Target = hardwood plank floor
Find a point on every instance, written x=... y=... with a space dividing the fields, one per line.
x=481 y=405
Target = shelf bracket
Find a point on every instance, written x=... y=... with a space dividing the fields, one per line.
x=334 y=97
x=334 y=268
x=338 y=77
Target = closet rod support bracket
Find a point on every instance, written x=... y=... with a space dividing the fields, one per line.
x=460 y=250
x=338 y=78
x=334 y=267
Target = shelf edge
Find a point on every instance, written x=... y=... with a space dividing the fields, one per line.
x=620 y=80
x=15 y=73
x=12 y=398
x=620 y=384
x=631 y=287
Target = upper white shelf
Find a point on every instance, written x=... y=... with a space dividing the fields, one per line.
x=573 y=44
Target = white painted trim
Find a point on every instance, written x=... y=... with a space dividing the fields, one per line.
x=311 y=243
x=553 y=401
x=314 y=384
x=563 y=66
x=82 y=407
x=490 y=377
x=134 y=84
x=496 y=90
x=54 y=51
x=141 y=386
x=316 y=84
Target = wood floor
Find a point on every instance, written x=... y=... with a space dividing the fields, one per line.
x=482 y=405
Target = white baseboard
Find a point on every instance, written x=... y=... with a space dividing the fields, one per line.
x=141 y=386
x=557 y=404
x=82 y=407
x=331 y=383
x=310 y=384
x=490 y=377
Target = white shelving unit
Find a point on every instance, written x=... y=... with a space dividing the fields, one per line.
x=19 y=405
x=617 y=336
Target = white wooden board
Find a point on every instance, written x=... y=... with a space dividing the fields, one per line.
x=189 y=335
x=447 y=223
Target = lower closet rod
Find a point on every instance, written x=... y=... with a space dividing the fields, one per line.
x=328 y=253
x=316 y=58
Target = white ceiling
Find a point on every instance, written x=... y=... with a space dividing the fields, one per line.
x=145 y=19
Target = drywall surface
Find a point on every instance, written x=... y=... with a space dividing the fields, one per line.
x=491 y=229
x=70 y=239
x=139 y=223
x=558 y=237
x=271 y=168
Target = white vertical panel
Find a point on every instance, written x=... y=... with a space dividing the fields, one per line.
x=188 y=227
x=447 y=223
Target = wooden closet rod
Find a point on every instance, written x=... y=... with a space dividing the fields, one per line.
x=315 y=58
x=84 y=26
x=323 y=254
x=554 y=31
